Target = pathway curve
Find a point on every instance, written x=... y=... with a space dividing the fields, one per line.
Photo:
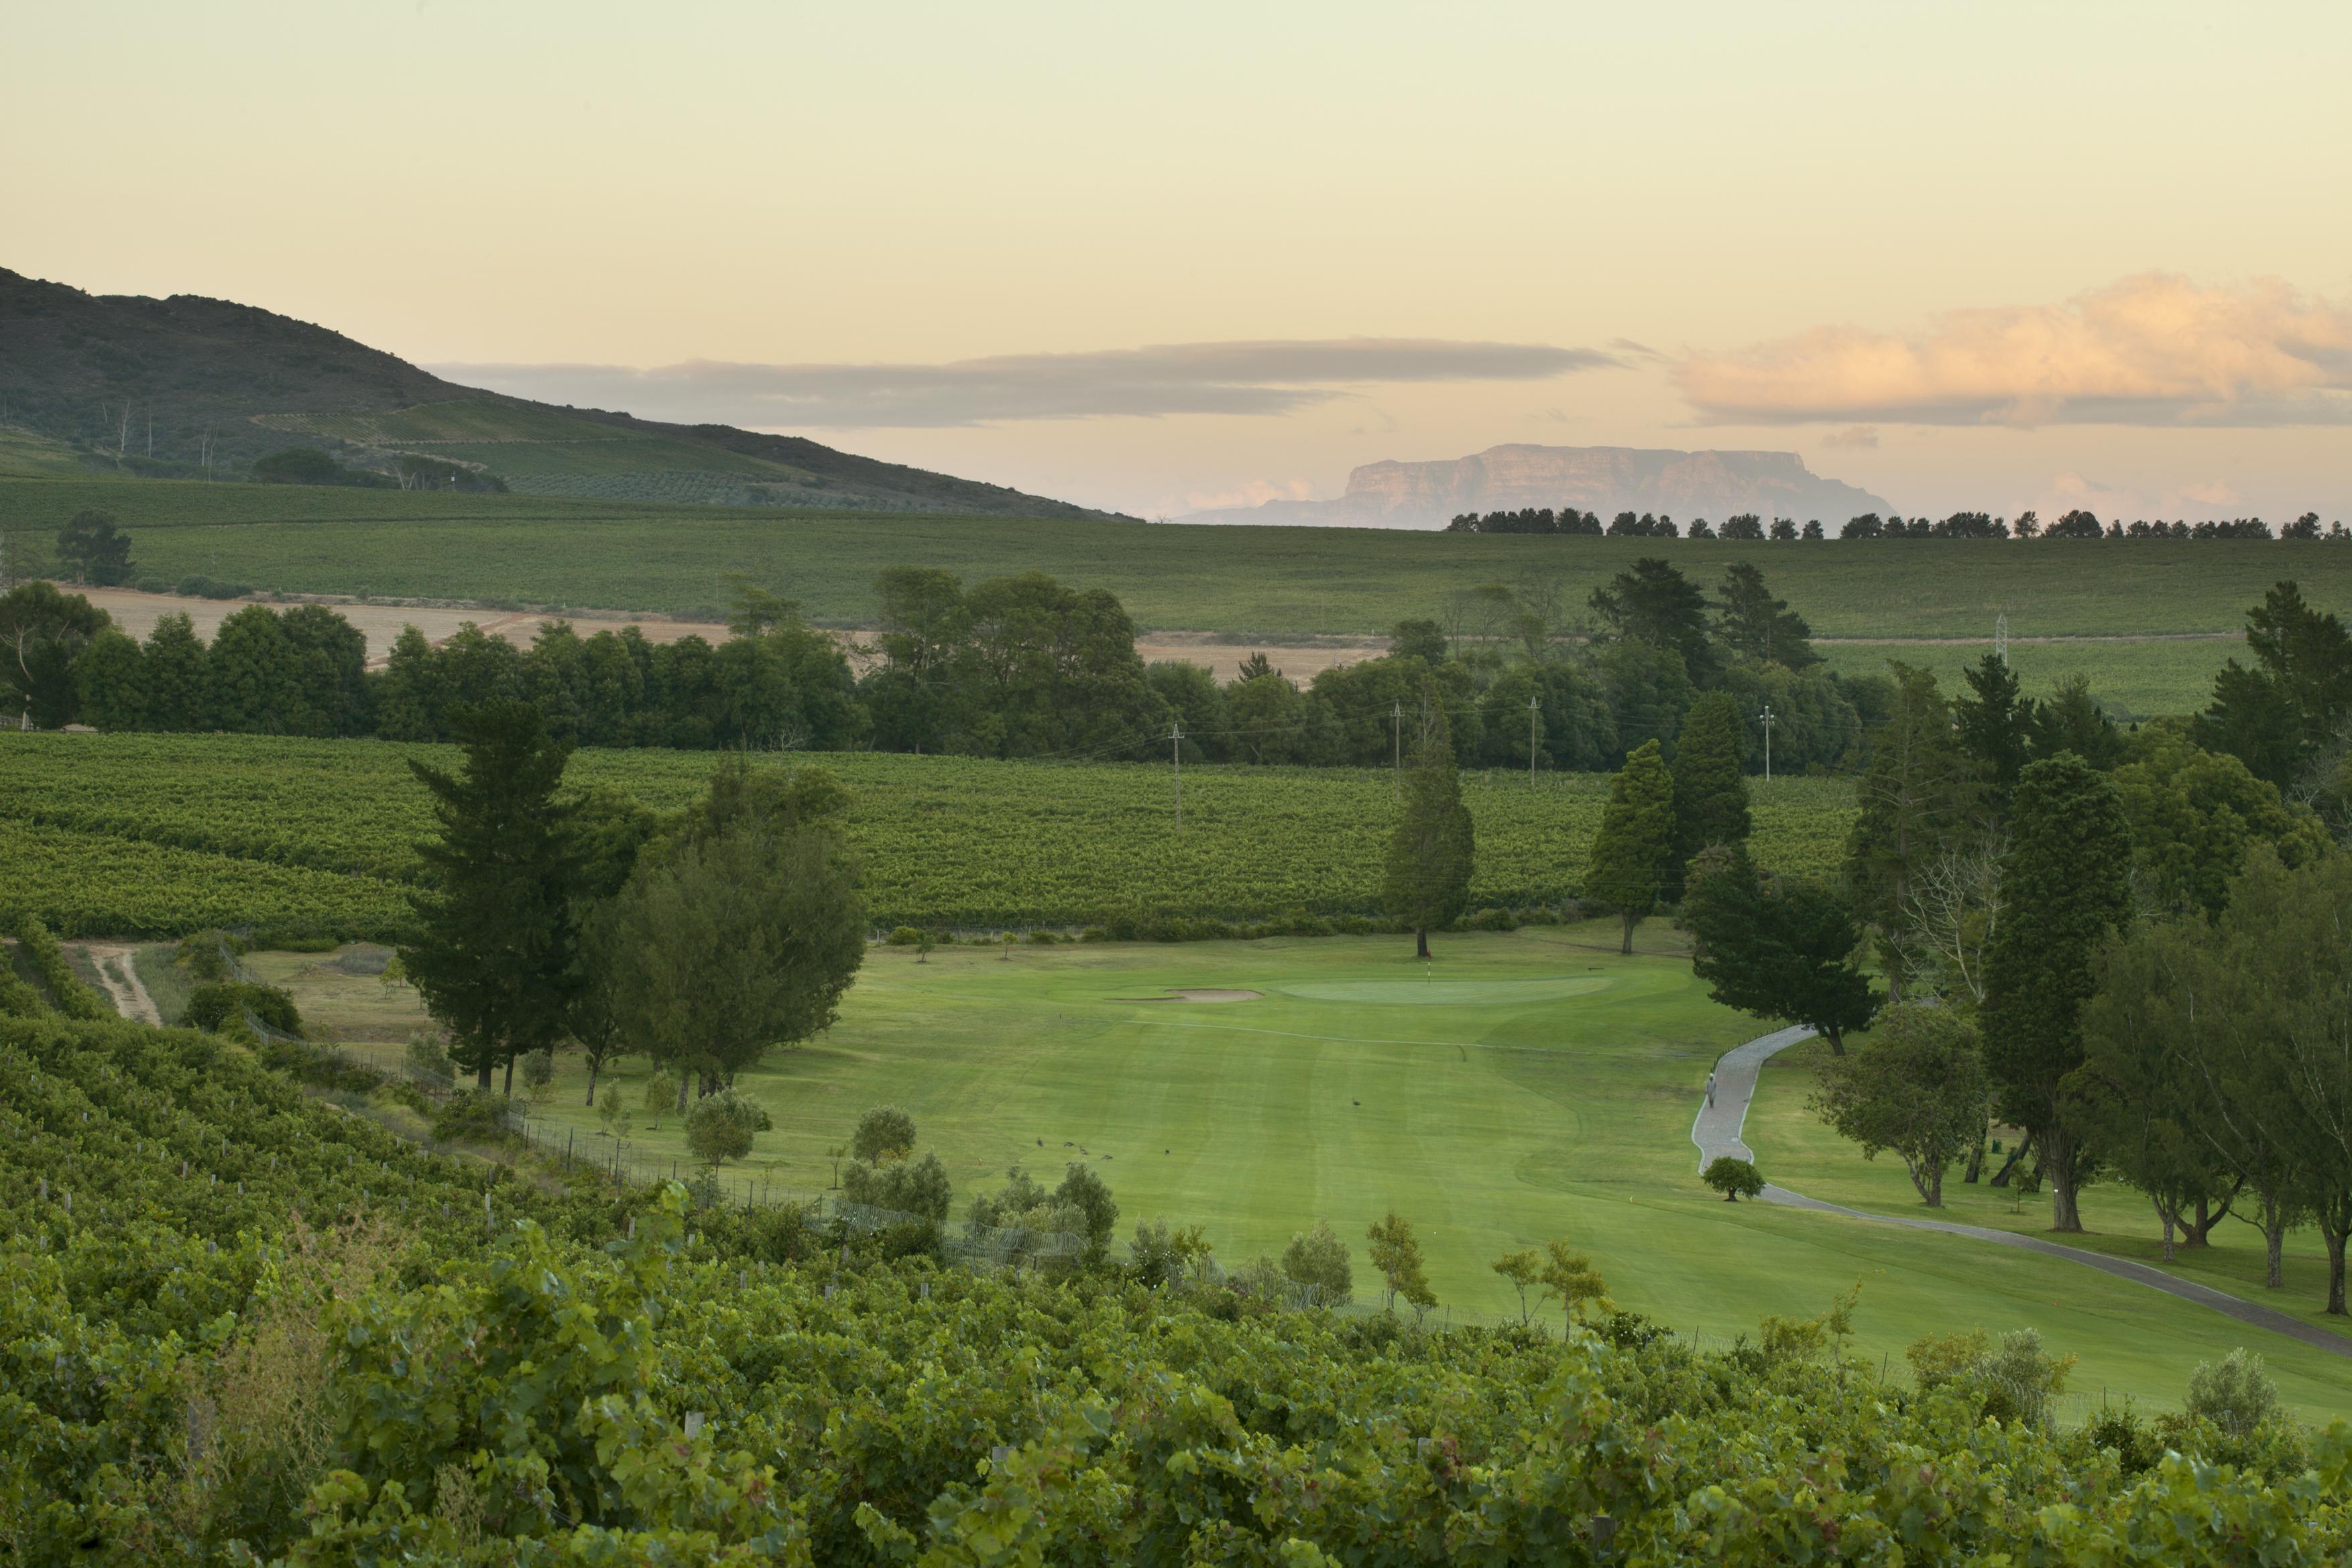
x=1718 y=1131
x=120 y=979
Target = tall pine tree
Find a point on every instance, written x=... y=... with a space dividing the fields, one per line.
x=493 y=953
x=2065 y=885
x=1917 y=797
x=1710 y=774
x=1633 y=854
x=1429 y=854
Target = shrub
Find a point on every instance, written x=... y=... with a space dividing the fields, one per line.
x=920 y=1187
x=428 y=1063
x=1043 y=938
x=1316 y=1265
x=220 y=1002
x=903 y=937
x=2235 y=1395
x=1734 y=1178
x=539 y=1074
x=475 y=1115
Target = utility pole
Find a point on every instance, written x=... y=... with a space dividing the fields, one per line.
x=1534 y=709
x=1399 y=707
x=1176 y=751
x=1767 y=716
x=2001 y=638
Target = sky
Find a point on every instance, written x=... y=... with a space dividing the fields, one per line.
x=1162 y=258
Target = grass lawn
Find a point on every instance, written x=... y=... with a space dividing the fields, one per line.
x=1795 y=1149
x=1528 y=1086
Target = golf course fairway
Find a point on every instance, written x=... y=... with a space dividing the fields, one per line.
x=1523 y=1087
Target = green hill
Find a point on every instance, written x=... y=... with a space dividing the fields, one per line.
x=189 y=386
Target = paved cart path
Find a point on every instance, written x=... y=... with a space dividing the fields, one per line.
x=1722 y=1118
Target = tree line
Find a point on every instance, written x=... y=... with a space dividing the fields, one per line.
x=1009 y=667
x=2133 y=949
x=2078 y=524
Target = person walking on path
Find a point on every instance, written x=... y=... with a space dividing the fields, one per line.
x=1710 y=1089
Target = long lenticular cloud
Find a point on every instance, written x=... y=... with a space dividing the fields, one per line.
x=1242 y=378
x=2155 y=349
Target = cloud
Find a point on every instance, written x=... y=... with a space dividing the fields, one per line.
x=1243 y=378
x=2154 y=349
x=2211 y=493
x=1852 y=435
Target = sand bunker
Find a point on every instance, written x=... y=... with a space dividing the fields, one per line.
x=1197 y=996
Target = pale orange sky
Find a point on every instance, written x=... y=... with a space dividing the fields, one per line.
x=2137 y=211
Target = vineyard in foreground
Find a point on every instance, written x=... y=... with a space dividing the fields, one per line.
x=142 y=835
x=240 y=1325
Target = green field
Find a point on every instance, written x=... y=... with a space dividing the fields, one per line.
x=2132 y=680
x=1244 y=583
x=157 y=835
x=1524 y=1086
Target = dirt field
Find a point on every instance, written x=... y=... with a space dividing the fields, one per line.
x=381 y=623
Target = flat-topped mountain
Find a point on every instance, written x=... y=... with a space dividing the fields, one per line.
x=1601 y=479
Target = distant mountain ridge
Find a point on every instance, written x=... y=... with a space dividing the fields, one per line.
x=189 y=385
x=1602 y=479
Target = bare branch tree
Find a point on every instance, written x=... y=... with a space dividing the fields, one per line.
x=1948 y=913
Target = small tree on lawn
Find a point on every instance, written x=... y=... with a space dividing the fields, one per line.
x=884 y=1133
x=1396 y=1254
x=1523 y=1269
x=721 y=1126
x=661 y=1094
x=1429 y=860
x=1634 y=853
x=1734 y=1178
x=1920 y=1089
x=1569 y=1278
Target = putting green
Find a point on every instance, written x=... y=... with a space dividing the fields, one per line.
x=1444 y=993
x=1548 y=1093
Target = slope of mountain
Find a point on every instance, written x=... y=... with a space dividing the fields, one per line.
x=1602 y=479
x=189 y=386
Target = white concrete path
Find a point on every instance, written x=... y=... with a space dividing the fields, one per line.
x=1718 y=1128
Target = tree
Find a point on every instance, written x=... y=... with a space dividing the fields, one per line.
x=2142 y=1085
x=2194 y=815
x=1396 y=1257
x=1655 y=604
x=721 y=1126
x=1315 y=1262
x=492 y=956
x=1427 y=879
x=174 y=674
x=2071 y=719
x=1994 y=724
x=1778 y=948
x=1569 y=1278
x=884 y=1134
x=609 y=829
x=1734 y=1178
x=253 y=683
x=1916 y=797
x=1752 y=625
x=42 y=633
x=2277 y=714
x=2066 y=888
x=1632 y=855
x=740 y=934
x=1524 y=1269
x=1419 y=638
x=111 y=683
x=408 y=701
x=94 y=544
x=1919 y=1090
x=1710 y=778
